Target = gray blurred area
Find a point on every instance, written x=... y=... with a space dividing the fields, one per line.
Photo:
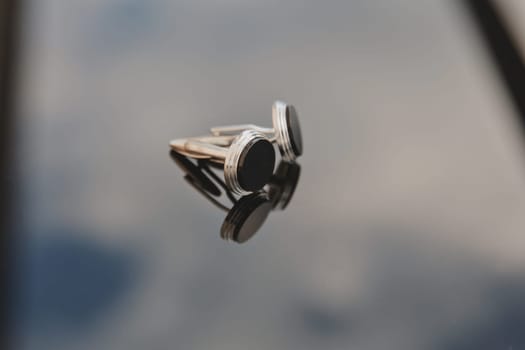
x=407 y=227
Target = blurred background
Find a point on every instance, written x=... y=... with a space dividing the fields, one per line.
x=407 y=227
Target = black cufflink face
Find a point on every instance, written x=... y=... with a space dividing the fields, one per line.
x=250 y=162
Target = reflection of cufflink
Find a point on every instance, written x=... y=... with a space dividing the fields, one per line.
x=286 y=131
x=248 y=158
x=283 y=183
x=246 y=216
x=250 y=212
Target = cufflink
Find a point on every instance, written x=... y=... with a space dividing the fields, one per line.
x=248 y=158
x=286 y=131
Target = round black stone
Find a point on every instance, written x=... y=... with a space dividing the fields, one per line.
x=294 y=130
x=256 y=166
x=247 y=216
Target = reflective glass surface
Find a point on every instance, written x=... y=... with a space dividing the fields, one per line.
x=404 y=231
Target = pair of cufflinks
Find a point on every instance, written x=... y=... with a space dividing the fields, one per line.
x=246 y=152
